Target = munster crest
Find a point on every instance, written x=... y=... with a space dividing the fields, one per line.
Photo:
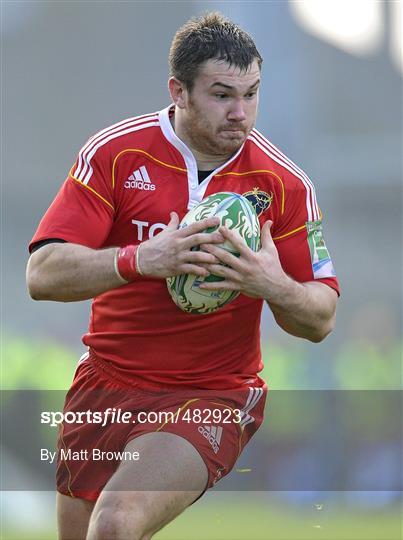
x=260 y=200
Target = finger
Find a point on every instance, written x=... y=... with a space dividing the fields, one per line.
x=224 y=256
x=220 y=285
x=265 y=236
x=224 y=271
x=174 y=221
x=193 y=269
x=200 y=226
x=202 y=238
x=236 y=240
x=199 y=257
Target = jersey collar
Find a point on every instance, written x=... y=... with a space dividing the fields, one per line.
x=196 y=191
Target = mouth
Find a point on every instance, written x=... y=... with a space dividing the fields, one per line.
x=232 y=128
x=234 y=132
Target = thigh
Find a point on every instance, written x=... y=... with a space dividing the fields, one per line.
x=73 y=516
x=166 y=461
x=168 y=476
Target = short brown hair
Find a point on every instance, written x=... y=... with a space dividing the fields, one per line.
x=210 y=36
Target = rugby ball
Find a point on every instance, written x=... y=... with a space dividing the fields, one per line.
x=235 y=212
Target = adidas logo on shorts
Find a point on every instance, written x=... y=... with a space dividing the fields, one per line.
x=213 y=435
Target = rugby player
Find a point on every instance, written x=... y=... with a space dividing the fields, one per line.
x=112 y=234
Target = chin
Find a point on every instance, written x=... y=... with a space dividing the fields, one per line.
x=229 y=146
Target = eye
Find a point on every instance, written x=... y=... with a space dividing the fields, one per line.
x=250 y=95
x=221 y=95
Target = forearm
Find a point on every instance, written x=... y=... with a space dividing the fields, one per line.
x=305 y=310
x=71 y=272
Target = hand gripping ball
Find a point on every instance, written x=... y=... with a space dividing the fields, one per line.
x=235 y=212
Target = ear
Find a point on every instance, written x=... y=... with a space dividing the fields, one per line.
x=178 y=92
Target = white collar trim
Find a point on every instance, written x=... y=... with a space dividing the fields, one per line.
x=196 y=190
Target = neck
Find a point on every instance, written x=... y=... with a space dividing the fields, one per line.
x=205 y=162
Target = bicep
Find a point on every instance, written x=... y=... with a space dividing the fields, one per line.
x=323 y=295
x=37 y=262
x=51 y=251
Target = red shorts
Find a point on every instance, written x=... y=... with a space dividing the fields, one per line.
x=102 y=414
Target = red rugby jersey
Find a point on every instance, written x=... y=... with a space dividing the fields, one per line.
x=125 y=182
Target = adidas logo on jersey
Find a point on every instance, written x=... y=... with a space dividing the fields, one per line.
x=140 y=180
x=213 y=435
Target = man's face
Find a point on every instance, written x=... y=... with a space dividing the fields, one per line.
x=221 y=108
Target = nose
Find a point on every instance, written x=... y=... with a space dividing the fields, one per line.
x=237 y=112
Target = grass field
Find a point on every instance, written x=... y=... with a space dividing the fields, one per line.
x=220 y=517
x=265 y=522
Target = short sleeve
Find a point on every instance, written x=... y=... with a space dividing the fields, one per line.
x=83 y=210
x=298 y=235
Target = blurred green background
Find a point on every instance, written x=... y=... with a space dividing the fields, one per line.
x=331 y=100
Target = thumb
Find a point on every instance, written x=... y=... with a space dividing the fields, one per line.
x=266 y=238
x=173 y=222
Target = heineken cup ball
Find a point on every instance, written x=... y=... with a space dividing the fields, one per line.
x=236 y=213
